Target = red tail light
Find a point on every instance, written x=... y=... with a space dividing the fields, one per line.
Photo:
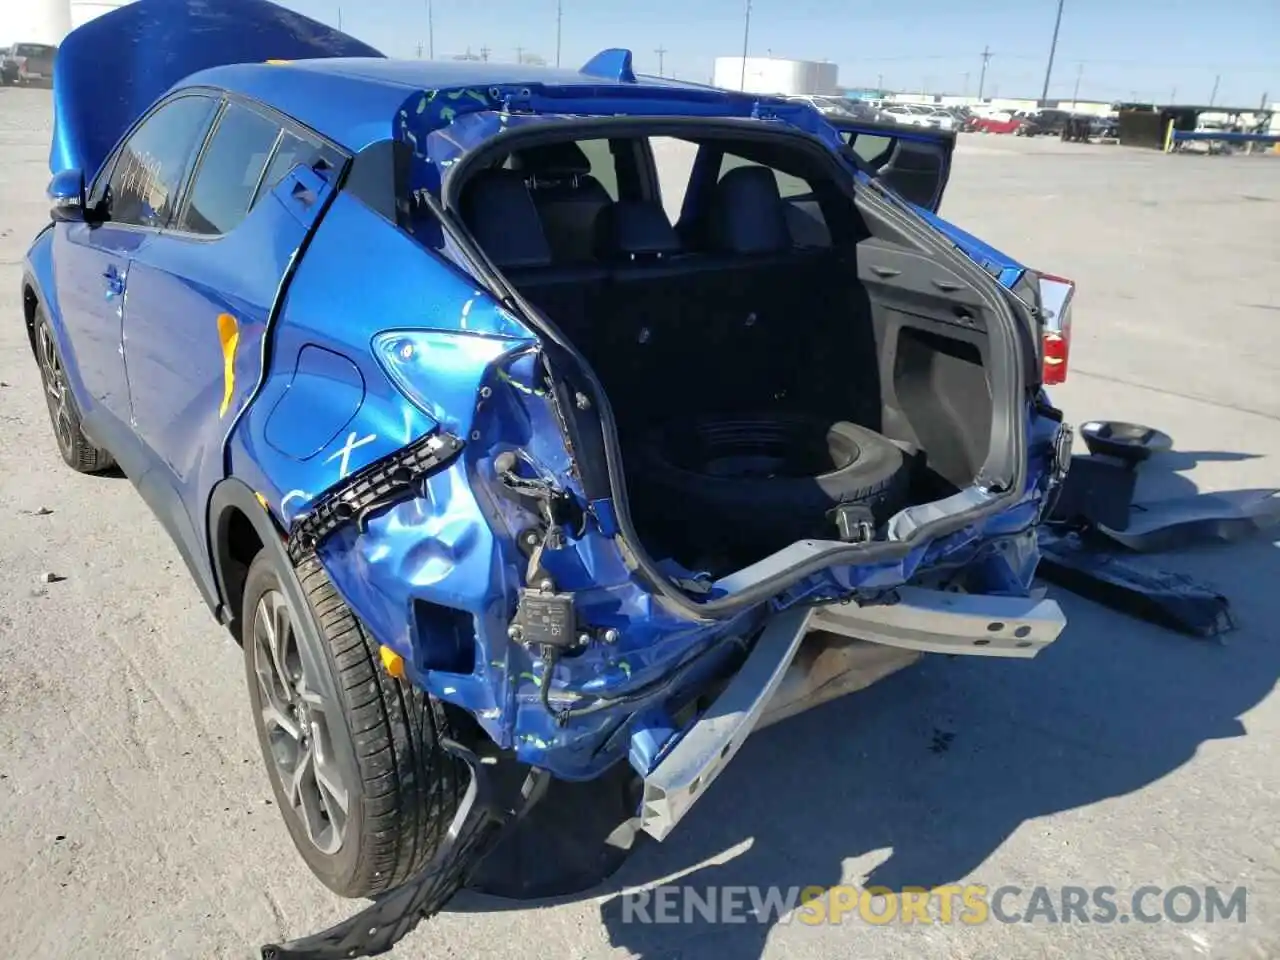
x=1056 y=294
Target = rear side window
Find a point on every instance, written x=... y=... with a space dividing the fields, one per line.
x=229 y=172
x=293 y=150
x=152 y=163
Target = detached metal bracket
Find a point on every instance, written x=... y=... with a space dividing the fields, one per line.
x=378 y=485
x=478 y=827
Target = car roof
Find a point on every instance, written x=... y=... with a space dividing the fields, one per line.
x=354 y=100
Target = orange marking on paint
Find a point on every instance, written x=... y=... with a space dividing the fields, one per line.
x=229 y=337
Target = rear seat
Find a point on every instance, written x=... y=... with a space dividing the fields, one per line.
x=567 y=197
x=666 y=329
x=720 y=324
x=502 y=217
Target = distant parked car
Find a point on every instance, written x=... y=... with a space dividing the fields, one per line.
x=998 y=122
x=910 y=115
x=1104 y=128
x=28 y=63
x=1043 y=122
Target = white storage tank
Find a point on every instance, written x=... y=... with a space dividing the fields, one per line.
x=33 y=21
x=774 y=75
x=82 y=11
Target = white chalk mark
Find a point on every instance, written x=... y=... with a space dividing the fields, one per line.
x=345 y=453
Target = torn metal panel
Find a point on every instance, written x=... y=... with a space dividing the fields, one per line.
x=1182 y=522
x=1134 y=586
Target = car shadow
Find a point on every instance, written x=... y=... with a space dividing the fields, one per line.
x=918 y=780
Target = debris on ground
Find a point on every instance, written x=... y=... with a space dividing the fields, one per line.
x=1094 y=528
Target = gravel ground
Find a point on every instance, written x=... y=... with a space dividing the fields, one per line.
x=134 y=814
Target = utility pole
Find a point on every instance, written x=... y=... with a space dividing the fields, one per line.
x=519 y=54
x=1214 y=96
x=484 y=54
x=1075 y=94
x=419 y=49
x=339 y=16
x=559 y=18
x=1173 y=96
x=746 y=37
x=879 y=83
x=431 y=32
x=1053 y=48
x=662 y=53
x=982 y=77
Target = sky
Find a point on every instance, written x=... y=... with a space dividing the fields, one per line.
x=1154 y=50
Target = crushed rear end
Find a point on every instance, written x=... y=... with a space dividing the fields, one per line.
x=500 y=555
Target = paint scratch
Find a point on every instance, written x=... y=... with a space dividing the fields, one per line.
x=345 y=452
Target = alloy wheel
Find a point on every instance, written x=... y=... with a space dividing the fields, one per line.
x=299 y=723
x=56 y=395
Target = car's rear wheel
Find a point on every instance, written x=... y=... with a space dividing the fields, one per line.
x=79 y=452
x=353 y=754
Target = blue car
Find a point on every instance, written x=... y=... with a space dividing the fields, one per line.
x=491 y=450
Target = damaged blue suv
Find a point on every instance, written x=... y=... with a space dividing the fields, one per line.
x=493 y=441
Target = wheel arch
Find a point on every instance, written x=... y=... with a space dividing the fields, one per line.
x=30 y=303
x=239 y=527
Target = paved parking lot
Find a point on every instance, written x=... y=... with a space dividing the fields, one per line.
x=134 y=814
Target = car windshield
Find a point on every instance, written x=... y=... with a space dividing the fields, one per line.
x=31 y=50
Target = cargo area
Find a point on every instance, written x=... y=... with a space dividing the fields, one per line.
x=779 y=366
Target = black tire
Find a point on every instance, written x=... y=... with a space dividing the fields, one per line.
x=78 y=451
x=383 y=739
x=698 y=475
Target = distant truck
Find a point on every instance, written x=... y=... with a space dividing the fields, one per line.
x=27 y=63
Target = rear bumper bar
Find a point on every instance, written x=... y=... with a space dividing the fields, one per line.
x=806 y=656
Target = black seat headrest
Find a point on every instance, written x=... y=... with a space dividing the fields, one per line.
x=502 y=217
x=748 y=214
x=565 y=159
x=634 y=228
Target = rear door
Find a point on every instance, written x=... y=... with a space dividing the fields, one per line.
x=913 y=162
x=137 y=193
x=201 y=294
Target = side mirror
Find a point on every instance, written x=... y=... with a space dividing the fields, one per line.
x=66 y=195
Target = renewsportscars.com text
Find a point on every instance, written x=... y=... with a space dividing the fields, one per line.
x=963 y=905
